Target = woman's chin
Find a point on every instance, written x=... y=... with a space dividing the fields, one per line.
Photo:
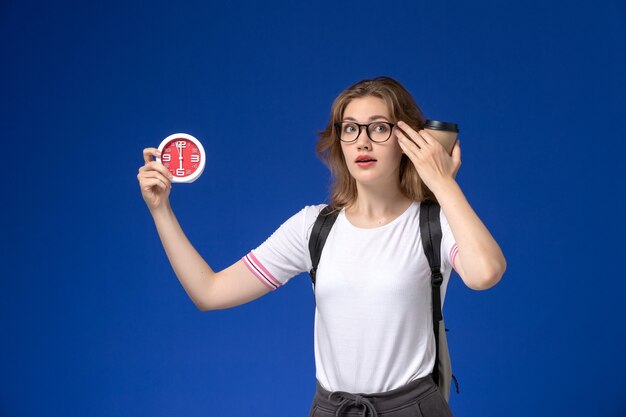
x=371 y=180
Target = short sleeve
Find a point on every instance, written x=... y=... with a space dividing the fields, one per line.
x=285 y=253
x=449 y=249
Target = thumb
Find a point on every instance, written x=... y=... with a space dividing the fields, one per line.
x=456 y=157
x=456 y=151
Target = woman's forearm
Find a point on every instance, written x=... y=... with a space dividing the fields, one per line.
x=192 y=271
x=482 y=260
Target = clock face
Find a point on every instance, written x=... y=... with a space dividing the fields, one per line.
x=183 y=155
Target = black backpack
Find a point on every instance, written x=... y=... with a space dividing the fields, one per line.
x=430 y=231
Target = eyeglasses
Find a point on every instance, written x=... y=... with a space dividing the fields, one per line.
x=376 y=131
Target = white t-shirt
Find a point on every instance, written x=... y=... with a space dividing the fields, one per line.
x=373 y=320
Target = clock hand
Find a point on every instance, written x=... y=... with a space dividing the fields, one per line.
x=180 y=156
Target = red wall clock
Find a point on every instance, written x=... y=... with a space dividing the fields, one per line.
x=183 y=155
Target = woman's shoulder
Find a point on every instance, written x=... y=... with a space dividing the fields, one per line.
x=315 y=207
x=442 y=215
x=308 y=215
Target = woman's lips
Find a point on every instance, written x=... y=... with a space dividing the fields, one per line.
x=364 y=157
x=367 y=163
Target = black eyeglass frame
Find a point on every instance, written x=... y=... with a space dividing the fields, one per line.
x=367 y=130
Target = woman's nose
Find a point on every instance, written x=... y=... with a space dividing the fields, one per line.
x=363 y=141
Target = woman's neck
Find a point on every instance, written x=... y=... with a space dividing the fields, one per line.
x=376 y=206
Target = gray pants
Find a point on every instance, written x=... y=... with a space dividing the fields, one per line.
x=419 y=398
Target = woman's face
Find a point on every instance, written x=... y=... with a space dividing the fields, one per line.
x=370 y=162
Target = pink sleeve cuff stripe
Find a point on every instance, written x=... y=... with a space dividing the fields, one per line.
x=453 y=252
x=260 y=271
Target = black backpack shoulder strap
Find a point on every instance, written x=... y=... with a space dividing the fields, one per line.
x=321 y=229
x=430 y=231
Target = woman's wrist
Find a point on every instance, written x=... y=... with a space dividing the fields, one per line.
x=161 y=212
x=445 y=188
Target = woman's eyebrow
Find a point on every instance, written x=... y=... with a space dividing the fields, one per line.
x=370 y=119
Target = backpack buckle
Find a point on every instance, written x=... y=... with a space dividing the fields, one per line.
x=436 y=277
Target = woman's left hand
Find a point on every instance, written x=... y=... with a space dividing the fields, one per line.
x=431 y=160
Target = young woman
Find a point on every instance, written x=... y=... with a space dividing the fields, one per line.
x=374 y=343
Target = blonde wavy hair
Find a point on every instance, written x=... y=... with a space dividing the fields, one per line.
x=401 y=106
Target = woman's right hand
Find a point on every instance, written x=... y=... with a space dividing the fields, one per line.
x=155 y=180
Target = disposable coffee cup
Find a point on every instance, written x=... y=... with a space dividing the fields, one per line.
x=444 y=132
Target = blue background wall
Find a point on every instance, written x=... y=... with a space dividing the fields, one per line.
x=93 y=320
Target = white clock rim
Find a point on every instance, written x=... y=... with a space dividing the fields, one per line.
x=191 y=178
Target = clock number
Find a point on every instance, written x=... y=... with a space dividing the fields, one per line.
x=181 y=144
x=195 y=158
x=180 y=172
x=166 y=157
